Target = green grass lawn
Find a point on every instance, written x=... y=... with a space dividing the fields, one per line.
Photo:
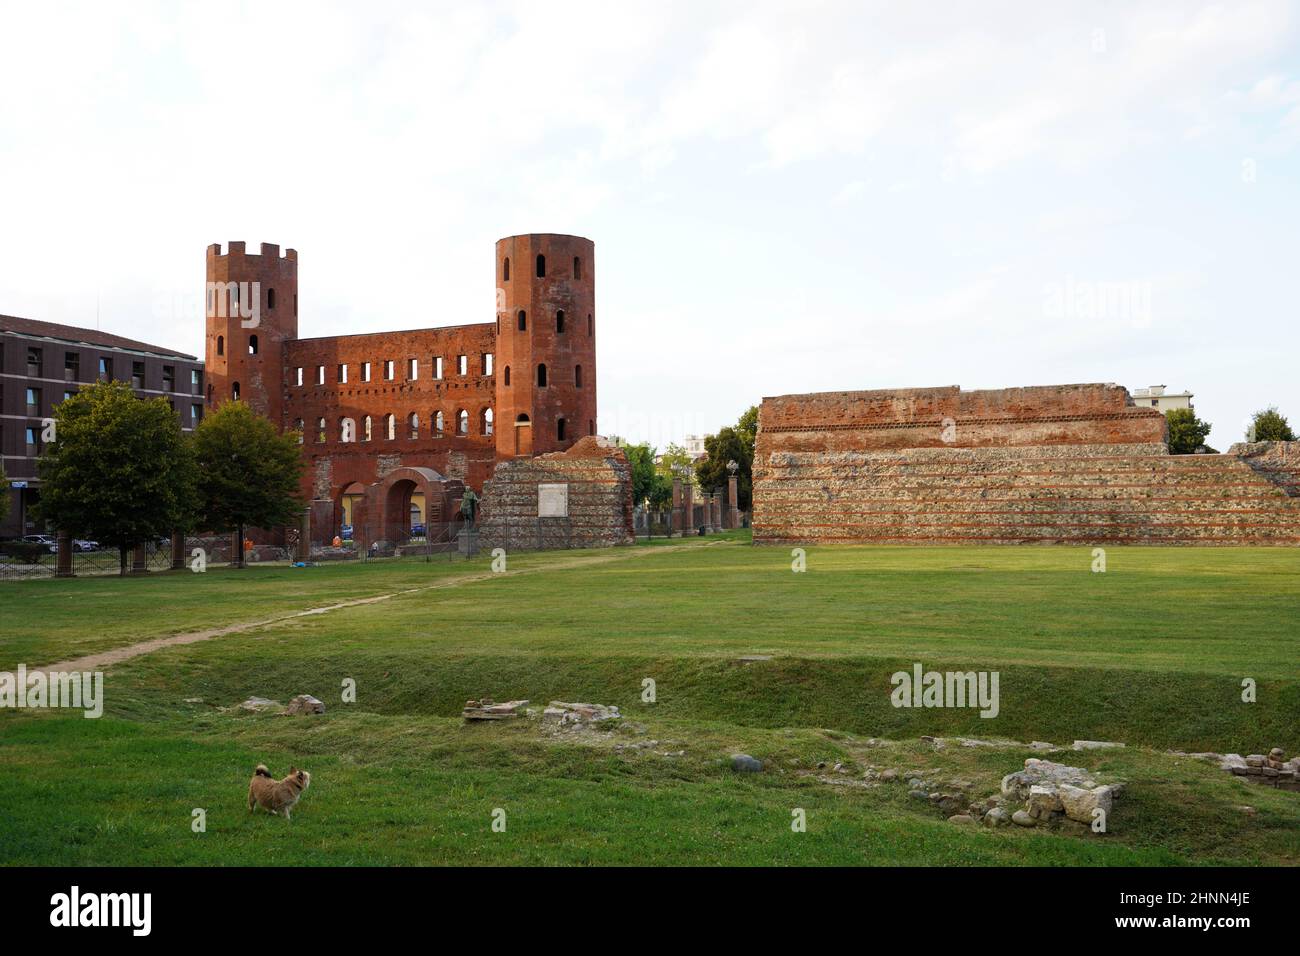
x=1151 y=653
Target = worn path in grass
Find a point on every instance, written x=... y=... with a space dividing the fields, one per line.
x=106 y=659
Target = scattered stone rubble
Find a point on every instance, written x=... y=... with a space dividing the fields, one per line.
x=1268 y=770
x=564 y=714
x=304 y=704
x=487 y=709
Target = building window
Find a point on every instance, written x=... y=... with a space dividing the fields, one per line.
x=559 y=429
x=347 y=430
x=438 y=424
x=297 y=375
x=559 y=321
x=320 y=374
x=437 y=367
x=577 y=268
x=507 y=373
x=523 y=321
x=541 y=376
x=365 y=371
x=590 y=325
x=388 y=370
x=196 y=382
x=196 y=415
x=34 y=362
x=390 y=426
x=137 y=374
x=252 y=345
x=71 y=366
x=413 y=421
x=234 y=391
x=298 y=427
x=462 y=422
x=69 y=393
x=342 y=374
x=462 y=364
x=320 y=431
x=485 y=425
x=591 y=426
x=105 y=369
x=505 y=269
x=541 y=266
x=270 y=298
x=368 y=429
x=487 y=363
x=169 y=378
x=33 y=401
x=221 y=345
x=577 y=376
x=33 y=441
x=412 y=370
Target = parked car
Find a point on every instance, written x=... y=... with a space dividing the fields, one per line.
x=48 y=540
x=346 y=532
x=417 y=530
x=82 y=544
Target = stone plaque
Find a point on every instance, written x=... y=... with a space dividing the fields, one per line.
x=553 y=501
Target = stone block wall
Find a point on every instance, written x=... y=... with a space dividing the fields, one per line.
x=1278 y=461
x=1015 y=469
x=599 y=483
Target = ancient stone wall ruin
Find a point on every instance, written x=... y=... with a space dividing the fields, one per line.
x=1076 y=464
x=597 y=490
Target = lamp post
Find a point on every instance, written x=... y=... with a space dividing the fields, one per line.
x=683 y=506
x=733 y=502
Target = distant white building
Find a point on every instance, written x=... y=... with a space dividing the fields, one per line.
x=694 y=446
x=1156 y=397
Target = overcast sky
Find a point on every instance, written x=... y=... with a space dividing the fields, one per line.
x=784 y=197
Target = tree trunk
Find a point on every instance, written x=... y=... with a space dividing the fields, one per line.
x=239 y=550
x=122 y=552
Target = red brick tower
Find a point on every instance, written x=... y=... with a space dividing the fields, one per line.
x=252 y=309
x=546 y=343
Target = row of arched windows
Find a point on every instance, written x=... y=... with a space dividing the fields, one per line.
x=521 y=322
x=386 y=428
x=541 y=267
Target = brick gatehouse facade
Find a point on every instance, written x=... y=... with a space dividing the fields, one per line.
x=396 y=425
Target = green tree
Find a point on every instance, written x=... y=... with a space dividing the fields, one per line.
x=248 y=473
x=1187 y=433
x=647 y=483
x=118 y=469
x=1269 y=424
x=675 y=455
x=732 y=443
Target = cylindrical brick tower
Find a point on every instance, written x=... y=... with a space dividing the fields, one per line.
x=546 y=343
x=251 y=303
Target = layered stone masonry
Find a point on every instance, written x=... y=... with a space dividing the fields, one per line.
x=846 y=481
x=599 y=482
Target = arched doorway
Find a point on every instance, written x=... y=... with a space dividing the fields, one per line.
x=347 y=511
x=523 y=437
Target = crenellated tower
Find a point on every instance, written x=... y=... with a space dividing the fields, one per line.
x=546 y=343
x=251 y=304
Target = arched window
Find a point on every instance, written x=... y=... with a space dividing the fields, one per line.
x=505 y=270
x=438 y=424
x=367 y=429
x=252 y=345
x=541 y=376
x=270 y=297
x=297 y=426
x=523 y=321
x=541 y=266
x=507 y=374
x=559 y=429
x=413 y=420
x=590 y=327
x=221 y=345
x=577 y=376
x=485 y=422
x=347 y=430
x=390 y=426
x=462 y=422
x=559 y=321
x=577 y=268
x=234 y=391
x=320 y=431
x=521 y=417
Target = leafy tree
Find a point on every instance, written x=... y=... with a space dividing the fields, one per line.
x=118 y=469
x=732 y=443
x=1269 y=424
x=1187 y=433
x=675 y=455
x=248 y=473
x=647 y=483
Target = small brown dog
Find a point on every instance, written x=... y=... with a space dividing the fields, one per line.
x=275 y=795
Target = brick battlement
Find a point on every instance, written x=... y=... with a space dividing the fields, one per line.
x=269 y=250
